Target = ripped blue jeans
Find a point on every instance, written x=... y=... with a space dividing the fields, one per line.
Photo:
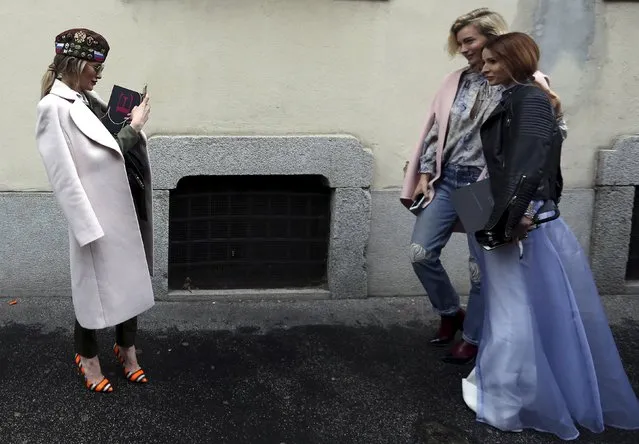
x=433 y=229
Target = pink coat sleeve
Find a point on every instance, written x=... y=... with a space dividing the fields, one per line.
x=411 y=176
x=439 y=109
x=63 y=176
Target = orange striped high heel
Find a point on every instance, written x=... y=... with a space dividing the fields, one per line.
x=104 y=386
x=136 y=376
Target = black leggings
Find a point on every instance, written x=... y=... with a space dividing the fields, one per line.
x=86 y=341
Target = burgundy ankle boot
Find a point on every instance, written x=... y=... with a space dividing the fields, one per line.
x=448 y=327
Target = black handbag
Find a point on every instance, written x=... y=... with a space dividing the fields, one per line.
x=135 y=174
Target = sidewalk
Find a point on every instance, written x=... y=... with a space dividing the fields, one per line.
x=355 y=371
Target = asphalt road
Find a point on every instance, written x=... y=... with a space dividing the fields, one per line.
x=331 y=382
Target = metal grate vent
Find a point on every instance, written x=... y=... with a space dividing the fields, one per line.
x=632 y=267
x=232 y=232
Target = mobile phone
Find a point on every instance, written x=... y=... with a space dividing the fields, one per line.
x=416 y=207
x=492 y=247
x=144 y=91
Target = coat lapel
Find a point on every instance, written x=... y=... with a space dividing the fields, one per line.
x=442 y=114
x=448 y=98
x=91 y=126
x=84 y=119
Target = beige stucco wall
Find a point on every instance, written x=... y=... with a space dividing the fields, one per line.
x=367 y=68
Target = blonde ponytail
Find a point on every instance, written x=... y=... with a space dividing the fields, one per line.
x=63 y=66
x=47 y=81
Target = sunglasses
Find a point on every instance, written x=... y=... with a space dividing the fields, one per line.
x=98 y=67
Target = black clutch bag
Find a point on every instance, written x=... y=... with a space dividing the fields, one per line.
x=496 y=237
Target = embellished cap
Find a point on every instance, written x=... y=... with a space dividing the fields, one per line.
x=83 y=44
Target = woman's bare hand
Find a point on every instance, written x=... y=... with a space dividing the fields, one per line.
x=422 y=186
x=522 y=229
x=140 y=114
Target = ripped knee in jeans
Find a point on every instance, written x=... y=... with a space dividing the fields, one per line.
x=420 y=254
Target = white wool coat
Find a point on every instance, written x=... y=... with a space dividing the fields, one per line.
x=110 y=251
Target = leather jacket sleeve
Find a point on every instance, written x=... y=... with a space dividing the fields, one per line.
x=528 y=152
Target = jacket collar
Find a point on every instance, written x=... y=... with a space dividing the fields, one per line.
x=61 y=89
x=84 y=118
x=514 y=88
x=448 y=96
x=506 y=98
x=93 y=96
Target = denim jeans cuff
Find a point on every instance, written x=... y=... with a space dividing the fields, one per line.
x=449 y=312
x=470 y=341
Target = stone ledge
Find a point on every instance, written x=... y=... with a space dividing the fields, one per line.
x=619 y=166
x=350 y=232
x=616 y=178
x=339 y=158
x=611 y=237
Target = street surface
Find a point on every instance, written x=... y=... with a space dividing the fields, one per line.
x=257 y=372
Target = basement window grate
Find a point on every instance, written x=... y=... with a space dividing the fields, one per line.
x=632 y=267
x=248 y=232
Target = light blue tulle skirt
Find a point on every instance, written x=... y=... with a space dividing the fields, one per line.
x=547 y=359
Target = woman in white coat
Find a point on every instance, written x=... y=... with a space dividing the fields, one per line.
x=102 y=182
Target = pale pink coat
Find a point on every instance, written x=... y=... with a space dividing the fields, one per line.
x=110 y=276
x=440 y=111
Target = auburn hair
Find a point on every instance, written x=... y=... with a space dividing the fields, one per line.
x=517 y=53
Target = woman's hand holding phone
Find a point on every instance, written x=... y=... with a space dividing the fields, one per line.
x=423 y=192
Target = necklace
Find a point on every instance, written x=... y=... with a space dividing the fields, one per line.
x=483 y=93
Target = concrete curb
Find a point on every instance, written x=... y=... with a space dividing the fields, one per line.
x=265 y=315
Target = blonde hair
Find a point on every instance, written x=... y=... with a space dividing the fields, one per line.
x=63 y=66
x=488 y=23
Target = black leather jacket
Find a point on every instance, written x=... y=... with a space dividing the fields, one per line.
x=522 y=146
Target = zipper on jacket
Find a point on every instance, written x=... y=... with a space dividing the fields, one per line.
x=518 y=189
